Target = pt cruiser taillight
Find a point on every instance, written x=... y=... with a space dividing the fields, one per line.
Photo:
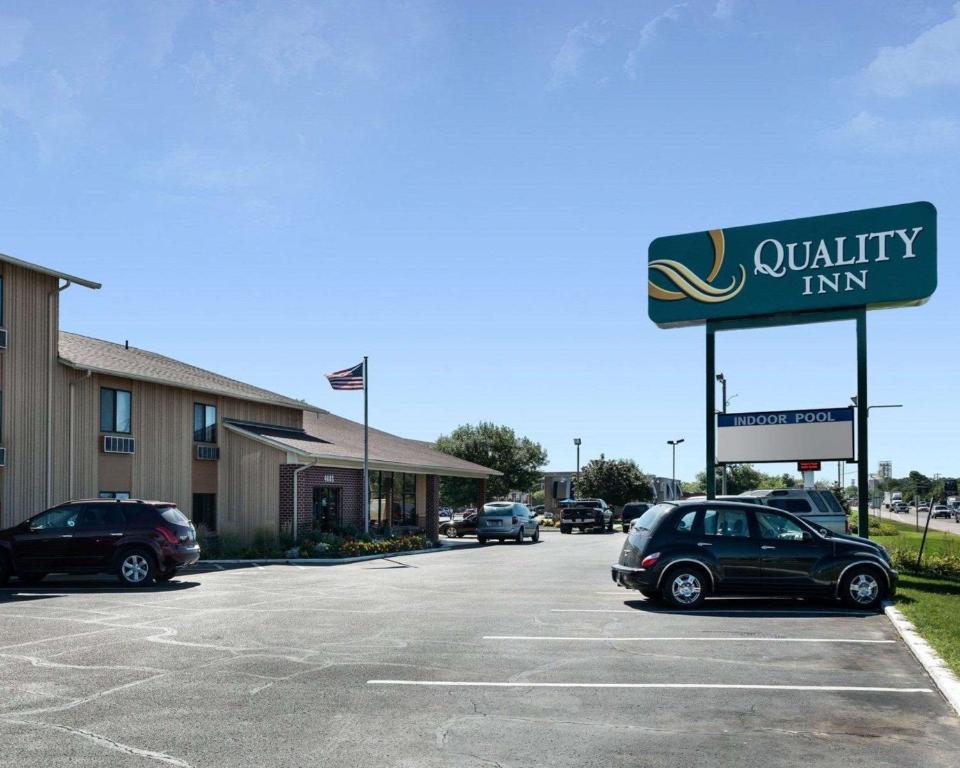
x=650 y=560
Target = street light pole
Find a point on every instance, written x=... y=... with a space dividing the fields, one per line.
x=576 y=442
x=674 y=444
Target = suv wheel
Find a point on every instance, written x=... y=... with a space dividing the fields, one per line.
x=136 y=568
x=685 y=587
x=564 y=529
x=536 y=535
x=862 y=588
x=451 y=532
x=520 y=535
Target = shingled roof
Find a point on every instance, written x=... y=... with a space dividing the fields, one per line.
x=335 y=441
x=107 y=357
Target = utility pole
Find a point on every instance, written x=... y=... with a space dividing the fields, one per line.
x=576 y=442
x=723 y=399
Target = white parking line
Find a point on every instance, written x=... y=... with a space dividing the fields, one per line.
x=718 y=686
x=711 y=639
x=787 y=612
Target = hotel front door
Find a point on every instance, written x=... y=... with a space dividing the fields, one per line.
x=326 y=508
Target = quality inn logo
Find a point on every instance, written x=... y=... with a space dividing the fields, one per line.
x=691 y=286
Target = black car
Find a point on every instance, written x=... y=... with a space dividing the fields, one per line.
x=140 y=541
x=631 y=511
x=454 y=529
x=682 y=552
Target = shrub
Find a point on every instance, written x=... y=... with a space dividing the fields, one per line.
x=938 y=566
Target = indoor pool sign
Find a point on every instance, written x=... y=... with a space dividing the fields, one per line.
x=879 y=257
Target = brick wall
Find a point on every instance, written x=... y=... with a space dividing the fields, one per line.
x=349 y=481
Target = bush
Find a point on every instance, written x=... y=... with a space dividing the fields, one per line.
x=311 y=543
x=937 y=566
x=877 y=527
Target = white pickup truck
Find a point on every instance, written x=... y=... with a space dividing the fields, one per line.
x=819 y=508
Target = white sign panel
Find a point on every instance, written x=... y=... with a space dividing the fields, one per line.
x=768 y=436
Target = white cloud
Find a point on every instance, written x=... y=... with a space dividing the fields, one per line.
x=205 y=170
x=578 y=43
x=13 y=34
x=882 y=136
x=725 y=9
x=649 y=33
x=163 y=21
x=932 y=59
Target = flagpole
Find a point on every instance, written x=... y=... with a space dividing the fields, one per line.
x=366 y=455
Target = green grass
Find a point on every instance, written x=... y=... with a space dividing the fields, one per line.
x=933 y=605
x=908 y=537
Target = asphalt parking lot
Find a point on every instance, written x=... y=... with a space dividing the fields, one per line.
x=499 y=656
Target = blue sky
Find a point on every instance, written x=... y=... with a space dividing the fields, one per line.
x=465 y=192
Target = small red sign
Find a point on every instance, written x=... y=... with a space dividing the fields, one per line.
x=808 y=466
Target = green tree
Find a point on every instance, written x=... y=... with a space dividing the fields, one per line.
x=616 y=481
x=740 y=478
x=520 y=459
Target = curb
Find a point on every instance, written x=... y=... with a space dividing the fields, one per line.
x=929 y=659
x=331 y=560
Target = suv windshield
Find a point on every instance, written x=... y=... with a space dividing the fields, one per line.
x=648 y=519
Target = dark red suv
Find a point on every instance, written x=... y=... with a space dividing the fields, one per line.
x=140 y=541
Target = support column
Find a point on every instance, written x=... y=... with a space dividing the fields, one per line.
x=863 y=411
x=711 y=415
x=481 y=497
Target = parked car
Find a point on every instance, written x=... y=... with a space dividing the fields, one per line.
x=923 y=508
x=139 y=541
x=454 y=529
x=444 y=514
x=682 y=552
x=457 y=516
x=584 y=514
x=819 y=508
x=502 y=520
x=942 y=510
x=631 y=511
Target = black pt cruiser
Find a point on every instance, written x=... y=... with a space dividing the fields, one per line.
x=683 y=552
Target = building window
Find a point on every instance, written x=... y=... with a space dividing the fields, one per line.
x=114 y=410
x=404 y=511
x=205 y=510
x=204 y=423
x=114 y=494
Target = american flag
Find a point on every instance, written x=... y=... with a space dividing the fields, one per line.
x=348 y=378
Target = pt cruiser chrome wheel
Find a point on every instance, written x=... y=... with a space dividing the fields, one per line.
x=864 y=588
x=134 y=568
x=686 y=588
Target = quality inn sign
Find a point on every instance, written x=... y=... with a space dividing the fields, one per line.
x=879 y=257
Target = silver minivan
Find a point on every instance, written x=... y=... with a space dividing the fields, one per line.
x=502 y=520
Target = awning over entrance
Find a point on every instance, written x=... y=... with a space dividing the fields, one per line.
x=337 y=442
